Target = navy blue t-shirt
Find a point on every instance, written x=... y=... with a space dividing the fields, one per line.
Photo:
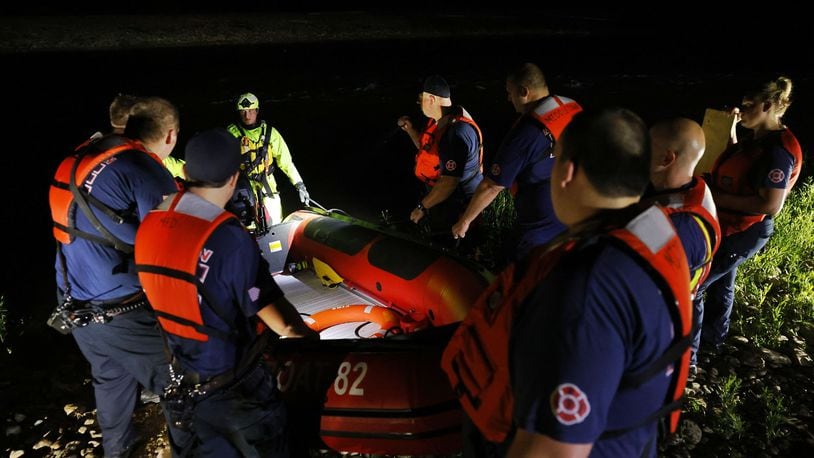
x=459 y=154
x=131 y=180
x=598 y=316
x=237 y=279
x=525 y=157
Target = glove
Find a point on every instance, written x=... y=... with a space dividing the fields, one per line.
x=304 y=197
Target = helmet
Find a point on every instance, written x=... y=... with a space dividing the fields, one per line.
x=248 y=101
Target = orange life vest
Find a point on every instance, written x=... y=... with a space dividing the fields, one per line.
x=733 y=170
x=427 y=162
x=555 y=113
x=169 y=246
x=476 y=359
x=698 y=202
x=74 y=170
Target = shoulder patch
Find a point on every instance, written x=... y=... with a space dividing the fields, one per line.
x=451 y=165
x=776 y=176
x=569 y=404
x=496 y=169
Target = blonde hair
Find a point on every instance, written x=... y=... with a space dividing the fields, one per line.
x=778 y=92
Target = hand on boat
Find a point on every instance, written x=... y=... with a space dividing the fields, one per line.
x=459 y=229
x=417 y=214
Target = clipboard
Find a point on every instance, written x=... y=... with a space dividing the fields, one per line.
x=717 y=127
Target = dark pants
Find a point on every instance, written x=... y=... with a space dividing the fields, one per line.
x=247 y=420
x=712 y=306
x=123 y=353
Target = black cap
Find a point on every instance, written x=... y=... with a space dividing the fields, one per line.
x=437 y=86
x=212 y=156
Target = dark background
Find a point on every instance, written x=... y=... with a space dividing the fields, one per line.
x=336 y=103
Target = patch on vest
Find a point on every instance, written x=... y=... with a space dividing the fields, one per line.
x=496 y=170
x=254 y=293
x=569 y=404
x=776 y=176
x=451 y=165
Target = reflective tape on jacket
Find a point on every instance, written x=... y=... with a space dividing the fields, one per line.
x=555 y=112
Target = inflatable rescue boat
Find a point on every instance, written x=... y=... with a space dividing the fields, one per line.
x=385 y=305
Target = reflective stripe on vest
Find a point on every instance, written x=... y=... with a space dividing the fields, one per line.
x=427 y=161
x=476 y=359
x=732 y=172
x=90 y=155
x=555 y=113
x=698 y=202
x=169 y=246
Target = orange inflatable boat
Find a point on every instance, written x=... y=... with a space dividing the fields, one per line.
x=385 y=306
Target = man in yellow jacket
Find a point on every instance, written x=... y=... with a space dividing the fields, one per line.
x=263 y=149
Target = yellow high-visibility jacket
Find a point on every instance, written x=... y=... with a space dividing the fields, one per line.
x=262 y=163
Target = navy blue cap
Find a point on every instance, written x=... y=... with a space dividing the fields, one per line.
x=212 y=156
x=437 y=86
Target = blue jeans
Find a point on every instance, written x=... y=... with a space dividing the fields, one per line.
x=123 y=353
x=712 y=306
x=247 y=420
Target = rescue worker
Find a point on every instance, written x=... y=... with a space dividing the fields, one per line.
x=598 y=322
x=98 y=198
x=677 y=146
x=525 y=157
x=749 y=182
x=263 y=149
x=204 y=275
x=449 y=158
x=119 y=113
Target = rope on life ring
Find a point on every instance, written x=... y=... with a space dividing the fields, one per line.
x=388 y=320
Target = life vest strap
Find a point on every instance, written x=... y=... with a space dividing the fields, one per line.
x=207 y=299
x=630 y=381
x=664 y=410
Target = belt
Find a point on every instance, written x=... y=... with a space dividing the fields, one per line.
x=120 y=306
x=225 y=381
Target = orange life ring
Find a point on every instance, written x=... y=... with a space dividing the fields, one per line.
x=388 y=320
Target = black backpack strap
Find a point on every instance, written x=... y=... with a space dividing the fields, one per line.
x=82 y=202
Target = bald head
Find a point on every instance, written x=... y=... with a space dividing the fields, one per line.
x=677 y=146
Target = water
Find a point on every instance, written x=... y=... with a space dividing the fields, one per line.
x=336 y=106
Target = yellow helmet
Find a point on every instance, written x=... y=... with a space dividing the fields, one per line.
x=248 y=101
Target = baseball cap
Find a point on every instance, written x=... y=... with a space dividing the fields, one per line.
x=437 y=86
x=212 y=156
x=248 y=101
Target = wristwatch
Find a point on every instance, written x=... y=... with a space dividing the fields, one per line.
x=421 y=207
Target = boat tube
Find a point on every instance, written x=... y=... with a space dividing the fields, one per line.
x=386 y=305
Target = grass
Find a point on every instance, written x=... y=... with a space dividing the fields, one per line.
x=775 y=417
x=777 y=284
x=499 y=220
x=729 y=422
x=754 y=412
